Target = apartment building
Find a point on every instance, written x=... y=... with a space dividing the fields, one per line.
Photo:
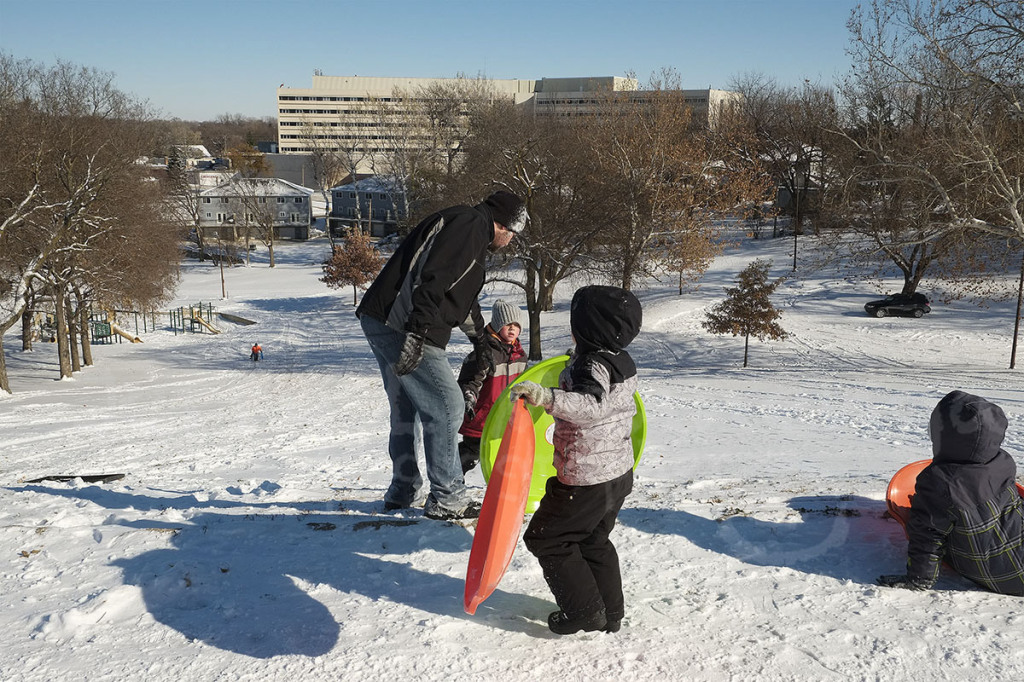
x=232 y=208
x=343 y=112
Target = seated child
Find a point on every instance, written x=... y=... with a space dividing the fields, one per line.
x=480 y=387
x=966 y=510
x=593 y=409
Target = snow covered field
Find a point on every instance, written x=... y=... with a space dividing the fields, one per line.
x=247 y=540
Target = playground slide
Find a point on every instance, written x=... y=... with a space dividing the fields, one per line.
x=200 y=320
x=120 y=332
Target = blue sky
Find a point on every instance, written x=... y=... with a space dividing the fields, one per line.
x=196 y=59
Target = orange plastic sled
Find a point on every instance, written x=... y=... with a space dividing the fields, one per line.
x=901 y=489
x=501 y=515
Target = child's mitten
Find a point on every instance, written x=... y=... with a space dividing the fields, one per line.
x=531 y=392
x=904 y=581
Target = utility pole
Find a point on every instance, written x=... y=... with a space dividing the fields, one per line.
x=1016 y=319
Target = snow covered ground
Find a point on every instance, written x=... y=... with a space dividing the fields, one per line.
x=247 y=539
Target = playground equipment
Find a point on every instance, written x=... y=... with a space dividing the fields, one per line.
x=199 y=318
x=104 y=329
x=195 y=316
x=120 y=332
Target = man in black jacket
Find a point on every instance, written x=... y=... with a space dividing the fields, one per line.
x=429 y=286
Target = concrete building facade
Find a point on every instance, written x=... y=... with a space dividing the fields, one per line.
x=342 y=112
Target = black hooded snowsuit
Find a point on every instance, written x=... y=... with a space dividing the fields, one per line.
x=593 y=410
x=966 y=509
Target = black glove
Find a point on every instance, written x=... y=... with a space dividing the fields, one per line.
x=470 y=405
x=904 y=581
x=412 y=353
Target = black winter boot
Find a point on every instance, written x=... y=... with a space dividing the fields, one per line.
x=561 y=624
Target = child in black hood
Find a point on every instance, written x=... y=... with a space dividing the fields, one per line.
x=593 y=409
x=966 y=510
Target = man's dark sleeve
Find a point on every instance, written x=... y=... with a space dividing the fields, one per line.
x=452 y=254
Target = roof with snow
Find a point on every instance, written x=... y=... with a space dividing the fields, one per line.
x=193 y=151
x=267 y=187
x=373 y=183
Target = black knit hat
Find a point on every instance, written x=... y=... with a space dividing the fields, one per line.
x=507 y=209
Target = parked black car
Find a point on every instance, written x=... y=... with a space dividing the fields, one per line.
x=899 y=304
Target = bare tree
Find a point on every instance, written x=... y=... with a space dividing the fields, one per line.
x=73 y=187
x=427 y=134
x=964 y=60
x=184 y=201
x=541 y=161
x=878 y=213
x=669 y=177
x=258 y=212
x=786 y=134
x=234 y=130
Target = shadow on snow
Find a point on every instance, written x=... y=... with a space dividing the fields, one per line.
x=843 y=537
x=249 y=583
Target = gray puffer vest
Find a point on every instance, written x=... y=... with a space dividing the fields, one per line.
x=592 y=436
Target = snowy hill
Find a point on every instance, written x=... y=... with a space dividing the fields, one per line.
x=247 y=540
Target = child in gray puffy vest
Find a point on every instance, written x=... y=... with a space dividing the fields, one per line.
x=593 y=409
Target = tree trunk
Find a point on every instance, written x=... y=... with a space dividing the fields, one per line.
x=746 y=347
x=270 y=244
x=200 y=241
x=26 y=331
x=61 y=323
x=533 y=313
x=83 y=329
x=4 y=383
x=1016 y=319
x=73 y=315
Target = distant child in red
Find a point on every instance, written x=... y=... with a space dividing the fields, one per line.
x=257 y=352
x=481 y=388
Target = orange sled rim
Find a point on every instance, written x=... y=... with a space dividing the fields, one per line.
x=501 y=515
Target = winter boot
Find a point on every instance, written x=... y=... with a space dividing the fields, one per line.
x=435 y=511
x=561 y=624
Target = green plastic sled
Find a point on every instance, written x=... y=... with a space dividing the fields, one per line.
x=544 y=373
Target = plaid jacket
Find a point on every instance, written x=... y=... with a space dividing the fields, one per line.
x=966 y=510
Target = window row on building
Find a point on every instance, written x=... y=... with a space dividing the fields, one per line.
x=547 y=97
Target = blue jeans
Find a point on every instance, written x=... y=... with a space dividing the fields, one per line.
x=430 y=397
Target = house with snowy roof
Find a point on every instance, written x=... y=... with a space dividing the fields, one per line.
x=376 y=204
x=250 y=206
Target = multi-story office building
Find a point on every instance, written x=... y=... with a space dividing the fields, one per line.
x=343 y=112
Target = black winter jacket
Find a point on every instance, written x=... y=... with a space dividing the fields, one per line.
x=431 y=283
x=966 y=509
